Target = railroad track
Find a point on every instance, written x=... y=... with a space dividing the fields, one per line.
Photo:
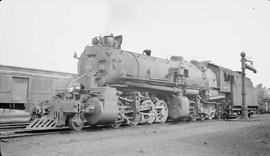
x=26 y=133
x=29 y=133
x=13 y=125
x=13 y=133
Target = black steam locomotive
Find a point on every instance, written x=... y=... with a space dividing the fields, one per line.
x=116 y=87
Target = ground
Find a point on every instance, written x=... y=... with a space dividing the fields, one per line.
x=216 y=137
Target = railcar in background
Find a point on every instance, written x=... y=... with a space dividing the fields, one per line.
x=263 y=95
x=21 y=89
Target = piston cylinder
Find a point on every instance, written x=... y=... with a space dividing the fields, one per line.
x=104 y=106
x=178 y=107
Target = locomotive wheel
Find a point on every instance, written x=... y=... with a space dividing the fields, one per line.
x=147 y=112
x=136 y=119
x=147 y=118
x=151 y=119
x=203 y=117
x=116 y=124
x=192 y=117
x=161 y=114
x=75 y=122
x=211 y=115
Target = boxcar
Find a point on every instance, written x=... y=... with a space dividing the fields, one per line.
x=22 y=88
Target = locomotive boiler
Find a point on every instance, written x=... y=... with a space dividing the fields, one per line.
x=116 y=87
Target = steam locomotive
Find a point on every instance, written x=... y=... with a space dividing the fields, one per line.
x=117 y=87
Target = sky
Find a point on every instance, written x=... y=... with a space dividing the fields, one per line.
x=45 y=34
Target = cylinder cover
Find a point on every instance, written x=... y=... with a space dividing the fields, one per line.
x=178 y=107
x=104 y=104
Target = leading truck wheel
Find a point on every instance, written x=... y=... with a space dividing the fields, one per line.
x=76 y=122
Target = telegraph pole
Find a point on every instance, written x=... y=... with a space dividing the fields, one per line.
x=244 y=66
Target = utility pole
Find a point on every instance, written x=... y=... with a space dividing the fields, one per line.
x=244 y=66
